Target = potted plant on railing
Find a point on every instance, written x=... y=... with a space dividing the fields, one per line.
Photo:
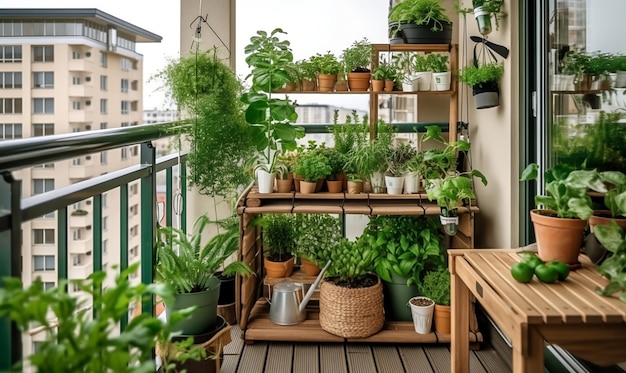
x=316 y=234
x=327 y=67
x=279 y=239
x=419 y=22
x=357 y=59
x=406 y=246
x=399 y=155
x=565 y=209
x=190 y=267
x=312 y=166
x=436 y=286
x=438 y=64
x=351 y=295
x=484 y=82
x=270 y=60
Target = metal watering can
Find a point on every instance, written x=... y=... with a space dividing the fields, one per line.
x=285 y=307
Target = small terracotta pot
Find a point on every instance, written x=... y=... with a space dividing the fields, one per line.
x=296 y=182
x=309 y=268
x=355 y=187
x=442 y=319
x=278 y=269
x=389 y=84
x=308 y=85
x=378 y=85
x=284 y=185
x=307 y=187
x=558 y=238
x=603 y=217
x=334 y=186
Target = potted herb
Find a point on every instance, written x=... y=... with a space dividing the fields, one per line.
x=190 y=266
x=423 y=73
x=312 y=166
x=436 y=286
x=438 y=64
x=384 y=77
x=484 y=82
x=565 y=207
x=419 y=22
x=357 y=59
x=279 y=244
x=316 y=234
x=284 y=171
x=337 y=162
x=403 y=62
x=399 y=155
x=306 y=71
x=79 y=334
x=349 y=282
x=440 y=161
x=270 y=119
x=327 y=67
x=406 y=247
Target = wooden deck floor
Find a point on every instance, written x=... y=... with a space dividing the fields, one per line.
x=284 y=357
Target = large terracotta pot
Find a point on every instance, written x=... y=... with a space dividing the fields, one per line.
x=558 y=238
x=359 y=82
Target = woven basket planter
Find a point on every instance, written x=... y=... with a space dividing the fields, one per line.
x=351 y=313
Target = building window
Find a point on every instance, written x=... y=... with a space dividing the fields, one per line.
x=134 y=85
x=77 y=260
x=134 y=251
x=103 y=105
x=43 y=53
x=105 y=201
x=77 y=234
x=47 y=285
x=75 y=287
x=43 y=262
x=43 y=79
x=134 y=189
x=75 y=80
x=76 y=55
x=124 y=85
x=103 y=157
x=103 y=59
x=10 y=131
x=42 y=185
x=10 y=80
x=10 y=53
x=75 y=105
x=103 y=82
x=134 y=231
x=105 y=223
x=43 y=129
x=134 y=210
x=125 y=107
x=43 y=236
x=103 y=125
x=126 y=64
x=124 y=153
x=10 y=106
x=43 y=106
x=105 y=246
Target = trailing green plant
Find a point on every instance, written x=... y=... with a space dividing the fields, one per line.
x=437 y=63
x=78 y=331
x=220 y=140
x=326 y=63
x=352 y=261
x=399 y=155
x=479 y=75
x=317 y=235
x=279 y=236
x=420 y=12
x=566 y=189
x=271 y=62
x=453 y=190
x=613 y=238
x=436 y=286
x=312 y=165
x=406 y=245
x=187 y=264
x=357 y=57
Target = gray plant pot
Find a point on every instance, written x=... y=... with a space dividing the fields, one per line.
x=485 y=100
x=396 y=297
x=203 y=319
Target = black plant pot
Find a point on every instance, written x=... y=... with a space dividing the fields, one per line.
x=227 y=290
x=593 y=100
x=409 y=33
x=486 y=95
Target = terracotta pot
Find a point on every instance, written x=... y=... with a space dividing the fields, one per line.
x=290 y=86
x=319 y=185
x=326 y=82
x=308 y=85
x=278 y=269
x=354 y=187
x=309 y=268
x=284 y=185
x=389 y=84
x=334 y=186
x=603 y=217
x=558 y=238
x=341 y=86
x=378 y=85
x=296 y=182
x=359 y=82
x=442 y=319
x=344 y=180
x=307 y=187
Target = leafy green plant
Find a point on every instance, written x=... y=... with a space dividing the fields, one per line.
x=482 y=74
x=187 y=264
x=279 y=236
x=613 y=238
x=437 y=163
x=312 y=165
x=271 y=61
x=369 y=156
x=306 y=69
x=437 y=63
x=351 y=262
x=493 y=7
x=436 y=286
x=615 y=197
x=405 y=245
x=357 y=56
x=335 y=159
x=566 y=189
x=452 y=190
x=79 y=336
x=317 y=235
x=326 y=63
x=403 y=62
x=385 y=71
x=420 y=62
x=346 y=136
x=420 y=12
x=399 y=155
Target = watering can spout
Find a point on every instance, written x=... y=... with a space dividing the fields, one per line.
x=309 y=293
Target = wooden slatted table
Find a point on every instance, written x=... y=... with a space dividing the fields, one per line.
x=569 y=313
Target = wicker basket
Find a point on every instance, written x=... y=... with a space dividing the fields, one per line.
x=351 y=313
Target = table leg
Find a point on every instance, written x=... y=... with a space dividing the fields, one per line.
x=528 y=351
x=459 y=344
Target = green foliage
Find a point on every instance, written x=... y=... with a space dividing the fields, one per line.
x=566 y=189
x=399 y=155
x=385 y=71
x=317 y=235
x=493 y=7
x=312 y=165
x=80 y=338
x=326 y=63
x=613 y=238
x=369 y=156
x=405 y=245
x=306 y=69
x=437 y=163
x=437 y=63
x=203 y=86
x=615 y=197
x=187 y=264
x=357 y=56
x=420 y=62
x=347 y=136
x=476 y=76
x=335 y=159
x=271 y=63
x=351 y=261
x=279 y=235
x=452 y=190
x=436 y=286
x=420 y=12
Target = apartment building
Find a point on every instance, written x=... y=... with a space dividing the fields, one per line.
x=62 y=71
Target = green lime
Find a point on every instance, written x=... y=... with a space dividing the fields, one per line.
x=522 y=272
x=561 y=268
x=546 y=273
x=532 y=260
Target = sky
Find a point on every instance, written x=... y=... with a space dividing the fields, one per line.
x=312 y=27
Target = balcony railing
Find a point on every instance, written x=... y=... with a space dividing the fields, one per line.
x=15 y=210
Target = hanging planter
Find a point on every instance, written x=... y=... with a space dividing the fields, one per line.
x=483 y=19
x=486 y=95
x=484 y=82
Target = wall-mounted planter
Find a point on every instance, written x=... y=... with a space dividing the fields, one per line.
x=486 y=95
x=483 y=19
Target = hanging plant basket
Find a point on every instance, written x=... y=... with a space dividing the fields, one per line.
x=403 y=32
x=486 y=95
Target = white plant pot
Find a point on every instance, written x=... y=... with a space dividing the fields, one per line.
x=620 y=79
x=422 y=316
x=441 y=81
x=394 y=184
x=265 y=181
x=563 y=82
x=424 y=78
x=409 y=83
x=377 y=181
x=411 y=183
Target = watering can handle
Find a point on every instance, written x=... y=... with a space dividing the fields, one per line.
x=308 y=295
x=269 y=291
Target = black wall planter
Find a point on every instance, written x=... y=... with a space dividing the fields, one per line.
x=410 y=33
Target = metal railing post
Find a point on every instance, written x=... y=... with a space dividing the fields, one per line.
x=148 y=221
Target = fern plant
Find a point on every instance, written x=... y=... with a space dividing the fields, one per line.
x=187 y=264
